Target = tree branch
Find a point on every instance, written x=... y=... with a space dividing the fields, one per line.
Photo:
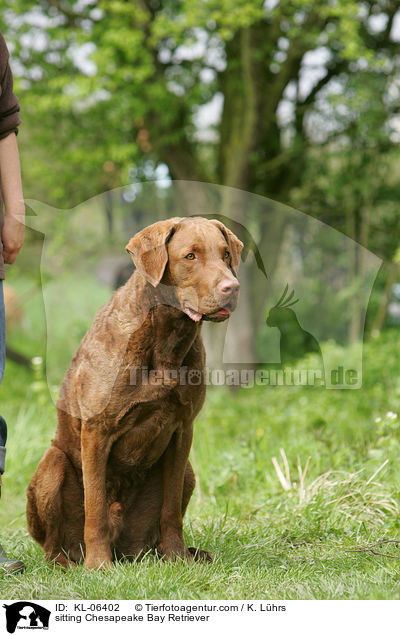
x=303 y=105
x=71 y=15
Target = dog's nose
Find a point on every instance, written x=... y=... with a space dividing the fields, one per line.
x=228 y=286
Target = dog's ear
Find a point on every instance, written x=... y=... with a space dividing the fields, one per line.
x=148 y=249
x=234 y=245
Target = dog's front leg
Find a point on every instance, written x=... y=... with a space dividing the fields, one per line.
x=95 y=448
x=174 y=467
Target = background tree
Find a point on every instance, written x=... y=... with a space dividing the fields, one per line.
x=269 y=97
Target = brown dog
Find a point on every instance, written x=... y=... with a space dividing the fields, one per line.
x=116 y=479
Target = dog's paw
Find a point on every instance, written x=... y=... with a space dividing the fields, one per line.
x=97 y=562
x=61 y=560
x=200 y=555
x=173 y=550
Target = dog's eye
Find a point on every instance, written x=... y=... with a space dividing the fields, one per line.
x=190 y=256
x=227 y=255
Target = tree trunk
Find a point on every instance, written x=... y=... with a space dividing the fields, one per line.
x=393 y=274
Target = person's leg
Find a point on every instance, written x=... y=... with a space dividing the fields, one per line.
x=2 y=332
x=3 y=426
x=10 y=565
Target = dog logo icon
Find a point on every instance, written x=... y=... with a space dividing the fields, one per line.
x=26 y=615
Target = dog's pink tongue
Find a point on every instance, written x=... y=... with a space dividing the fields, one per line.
x=194 y=315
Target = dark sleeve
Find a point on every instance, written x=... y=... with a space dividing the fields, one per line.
x=9 y=106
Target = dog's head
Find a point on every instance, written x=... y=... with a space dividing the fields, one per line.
x=199 y=258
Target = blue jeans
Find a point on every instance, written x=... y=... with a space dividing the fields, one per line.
x=3 y=427
x=2 y=333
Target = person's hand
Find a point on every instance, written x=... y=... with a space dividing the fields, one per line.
x=12 y=237
x=13 y=232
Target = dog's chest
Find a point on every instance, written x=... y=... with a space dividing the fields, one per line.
x=148 y=429
x=163 y=393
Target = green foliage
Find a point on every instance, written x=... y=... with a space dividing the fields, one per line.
x=112 y=90
x=120 y=82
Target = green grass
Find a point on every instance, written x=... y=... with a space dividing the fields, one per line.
x=293 y=537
